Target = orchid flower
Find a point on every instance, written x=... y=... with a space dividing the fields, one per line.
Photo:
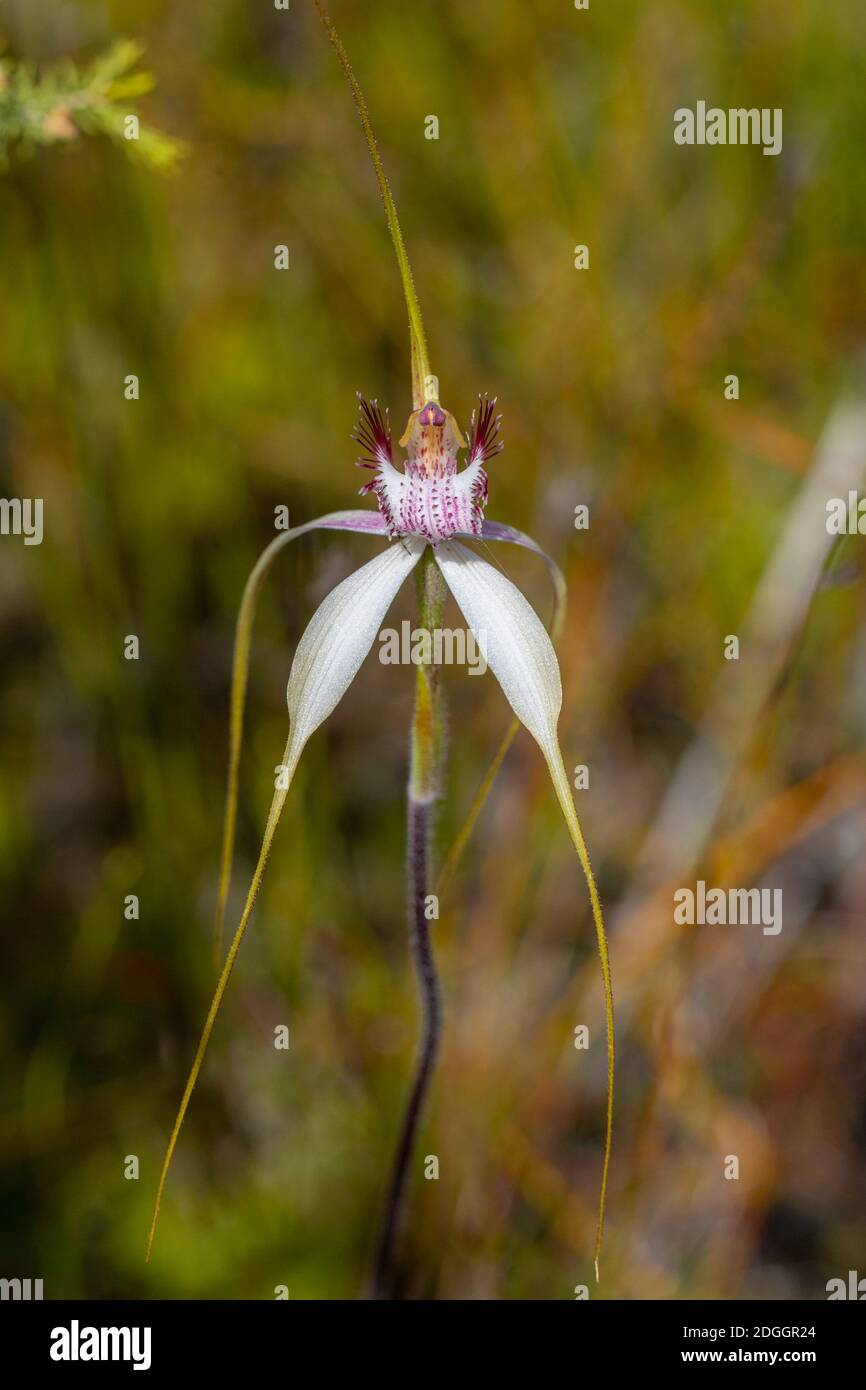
x=428 y=506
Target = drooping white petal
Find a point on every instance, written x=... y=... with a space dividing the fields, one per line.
x=512 y=636
x=339 y=636
x=521 y=656
x=498 y=531
x=328 y=656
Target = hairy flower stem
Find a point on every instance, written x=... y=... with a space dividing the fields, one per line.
x=424 y=775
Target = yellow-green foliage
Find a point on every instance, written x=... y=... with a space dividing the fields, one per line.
x=62 y=101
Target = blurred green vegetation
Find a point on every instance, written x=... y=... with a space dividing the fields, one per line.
x=555 y=129
x=59 y=102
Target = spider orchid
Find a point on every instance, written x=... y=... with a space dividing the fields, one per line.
x=427 y=508
x=431 y=502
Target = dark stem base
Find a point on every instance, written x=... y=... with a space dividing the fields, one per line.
x=419 y=819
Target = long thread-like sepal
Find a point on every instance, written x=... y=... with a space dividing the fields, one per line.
x=290 y=761
x=559 y=777
x=365 y=523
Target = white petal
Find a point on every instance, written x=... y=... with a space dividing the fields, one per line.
x=498 y=531
x=521 y=656
x=512 y=636
x=340 y=634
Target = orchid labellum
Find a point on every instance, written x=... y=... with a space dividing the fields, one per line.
x=428 y=505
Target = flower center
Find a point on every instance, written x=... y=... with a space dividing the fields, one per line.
x=430 y=498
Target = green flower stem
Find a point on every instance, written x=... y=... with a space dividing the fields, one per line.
x=426 y=742
x=423 y=788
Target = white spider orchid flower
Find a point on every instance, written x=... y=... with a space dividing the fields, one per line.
x=430 y=502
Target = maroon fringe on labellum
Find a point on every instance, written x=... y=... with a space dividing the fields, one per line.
x=373 y=433
x=483 y=431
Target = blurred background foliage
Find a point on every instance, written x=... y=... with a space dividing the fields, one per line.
x=555 y=129
x=62 y=101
